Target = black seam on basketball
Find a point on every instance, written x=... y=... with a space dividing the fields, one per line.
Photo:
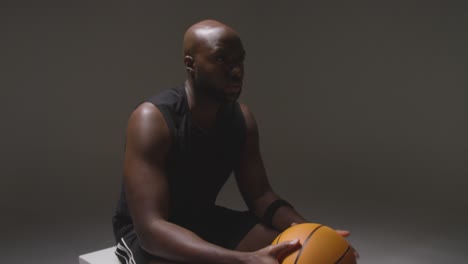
x=279 y=237
x=305 y=242
x=344 y=254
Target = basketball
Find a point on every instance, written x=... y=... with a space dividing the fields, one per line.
x=320 y=245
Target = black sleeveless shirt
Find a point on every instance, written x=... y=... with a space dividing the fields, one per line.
x=198 y=163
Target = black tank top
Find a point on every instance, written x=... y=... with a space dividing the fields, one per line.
x=198 y=164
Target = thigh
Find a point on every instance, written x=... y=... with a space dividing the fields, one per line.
x=258 y=237
x=226 y=227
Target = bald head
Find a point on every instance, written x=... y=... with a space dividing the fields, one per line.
x=214 y=60
x=206 y=33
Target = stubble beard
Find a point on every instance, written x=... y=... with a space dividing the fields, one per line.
x=209 y=90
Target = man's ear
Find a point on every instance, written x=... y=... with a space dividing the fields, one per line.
x=188 y=61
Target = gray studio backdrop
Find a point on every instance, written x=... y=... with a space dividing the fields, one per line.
x=361 y=110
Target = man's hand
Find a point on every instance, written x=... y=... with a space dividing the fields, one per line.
x=273 y=254
x=343 y=233
x=346 y=233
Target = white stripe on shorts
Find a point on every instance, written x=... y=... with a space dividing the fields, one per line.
x=125 y=252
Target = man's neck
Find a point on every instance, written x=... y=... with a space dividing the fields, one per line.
x=202 y=108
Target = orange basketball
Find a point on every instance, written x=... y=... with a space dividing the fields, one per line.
x=320 y=245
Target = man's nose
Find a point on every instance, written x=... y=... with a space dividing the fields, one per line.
x=237 y=70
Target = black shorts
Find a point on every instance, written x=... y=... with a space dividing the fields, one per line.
x=222 y=226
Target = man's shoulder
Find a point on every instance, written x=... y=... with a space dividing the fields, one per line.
x=249 y=119
x=243 y=107
x=245 y=110
x=163 y=104
x=168 y=106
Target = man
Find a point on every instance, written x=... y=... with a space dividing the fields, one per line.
x=181 y=147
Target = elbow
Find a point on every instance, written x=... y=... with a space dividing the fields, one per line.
x=148 y=235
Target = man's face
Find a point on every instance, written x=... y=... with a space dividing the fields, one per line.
x=219 y=67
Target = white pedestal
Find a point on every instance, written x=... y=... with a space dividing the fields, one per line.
x=104 y=256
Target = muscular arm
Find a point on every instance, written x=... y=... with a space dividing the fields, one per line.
x=253 y=182
x=146 y=186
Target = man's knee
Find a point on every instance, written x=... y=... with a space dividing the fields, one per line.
x=258 y=237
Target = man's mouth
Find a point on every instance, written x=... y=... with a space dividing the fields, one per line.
x=234 y=87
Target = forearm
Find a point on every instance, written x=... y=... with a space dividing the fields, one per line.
x=175 y=243
x=284 y=215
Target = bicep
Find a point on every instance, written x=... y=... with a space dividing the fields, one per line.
x=146 y=149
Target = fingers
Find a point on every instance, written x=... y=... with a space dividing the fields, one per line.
x=284 y=248
x=281 y=250
x=343 y=233
x=346 y=233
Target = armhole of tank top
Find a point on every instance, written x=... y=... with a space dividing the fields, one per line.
x=169 y=120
